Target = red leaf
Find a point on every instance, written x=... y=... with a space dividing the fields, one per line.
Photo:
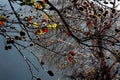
x=72 y=53
x=89 y=23
x=45 y=30
x=70 y=58
x=87 y=33
x=44 y=20
x=68 y=33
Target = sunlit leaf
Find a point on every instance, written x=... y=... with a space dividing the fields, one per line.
x=1 y=23
x=27 y=2
x=38 y=6
x=35 y=24
x=40 y=32
x=42 y=3
x=49 y=26
x=54 y=25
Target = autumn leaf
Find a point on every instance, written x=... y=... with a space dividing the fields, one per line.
x=68 y=33
x=49 y=26
x=39 y=32
x=45 y=30
x=30 y=19
x=44 y=21
x=27 y=2
x=35 y=24
x=89 y=23
x=54 y=25
x=72 y=53
x=42 y=4
x=38 y=6
x=70 y=59
x=1 y=23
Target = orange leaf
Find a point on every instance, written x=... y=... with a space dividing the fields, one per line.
x=30 y=19
x=1 y=23
x=38 y=6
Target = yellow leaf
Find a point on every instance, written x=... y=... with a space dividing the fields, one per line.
x=35 y=24
x=28 y=2
x=54 y=25
x=40 y=32
x=49 y=26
